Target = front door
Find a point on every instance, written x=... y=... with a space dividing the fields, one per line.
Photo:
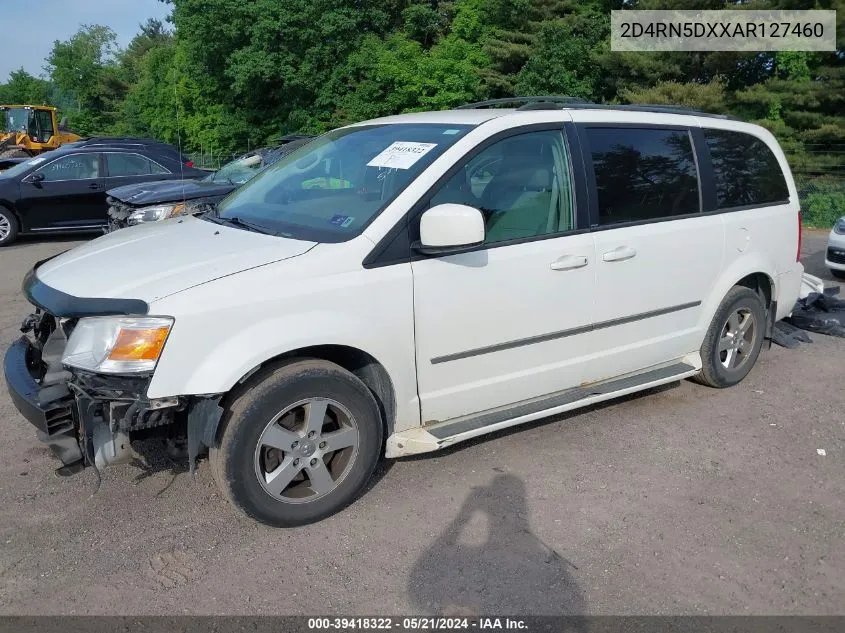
x=71 y=194
x=507 y=322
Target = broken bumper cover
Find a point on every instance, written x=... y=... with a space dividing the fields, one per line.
x=55 y=419
x=76 y=426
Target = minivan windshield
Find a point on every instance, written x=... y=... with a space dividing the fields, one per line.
x=329 y=190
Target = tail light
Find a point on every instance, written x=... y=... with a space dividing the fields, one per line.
x=189 y=163
x=800 y=238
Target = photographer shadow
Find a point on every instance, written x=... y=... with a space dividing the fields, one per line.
x=489 y=562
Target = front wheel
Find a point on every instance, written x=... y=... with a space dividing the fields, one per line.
x=839 y=274
x=733 y=341
x=298 y=444
x=8 y=227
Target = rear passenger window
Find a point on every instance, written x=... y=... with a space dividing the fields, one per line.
x=120 y=164
x=643 y=173
x=746 y=171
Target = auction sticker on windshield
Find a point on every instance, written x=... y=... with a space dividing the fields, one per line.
x=401 y=155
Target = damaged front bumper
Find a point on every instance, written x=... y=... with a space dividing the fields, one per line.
x=54 y=418
x=91 y=419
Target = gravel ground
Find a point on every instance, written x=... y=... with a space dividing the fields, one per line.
x=686 y=500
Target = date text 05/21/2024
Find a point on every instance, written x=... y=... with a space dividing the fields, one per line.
x=416 y=623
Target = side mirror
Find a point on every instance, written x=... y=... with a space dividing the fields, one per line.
x=450 y=228
x=63 y=123
x=36 y=178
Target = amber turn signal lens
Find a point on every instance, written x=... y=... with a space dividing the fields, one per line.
x=140 y=344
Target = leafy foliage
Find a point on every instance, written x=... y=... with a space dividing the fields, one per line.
x=226 y=74
x=25 y=89
x=823 y=208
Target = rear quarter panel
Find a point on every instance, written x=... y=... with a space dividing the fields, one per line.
x=760 y=239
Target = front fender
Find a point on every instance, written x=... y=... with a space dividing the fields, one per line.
x=225 y=329
x=230 y=357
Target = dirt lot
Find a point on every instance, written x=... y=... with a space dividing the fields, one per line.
x=688 y=500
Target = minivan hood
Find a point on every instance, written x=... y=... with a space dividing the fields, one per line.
x=147 y=193
x=152 y=261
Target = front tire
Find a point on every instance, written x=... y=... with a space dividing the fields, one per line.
x=8 y=227
x=298 y=444
x=733 y=340
x=839 y=274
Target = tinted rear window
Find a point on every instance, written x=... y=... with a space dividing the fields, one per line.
x=643 y=173
x=124 y=164
x=746 y=171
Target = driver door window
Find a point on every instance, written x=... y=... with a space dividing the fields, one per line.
x=73 y=167
x=521 y=184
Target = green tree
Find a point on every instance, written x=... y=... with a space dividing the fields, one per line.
x=564 y=59
x=708 y=97
x=153 y=35
x=423 y=23
x=226 y=74
x=85 y=67
x=24 y=88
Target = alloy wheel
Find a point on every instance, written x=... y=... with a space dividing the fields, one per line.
x=737 y=340
x=5 y=227
x=306 y=450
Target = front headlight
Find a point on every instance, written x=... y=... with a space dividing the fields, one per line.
x=117 y=345
x=154 y=213
x=839 y=227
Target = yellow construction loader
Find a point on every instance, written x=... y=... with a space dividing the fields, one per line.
x=28 y=130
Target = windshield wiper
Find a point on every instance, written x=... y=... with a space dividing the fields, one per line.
x=251 y=226
x=209 y=211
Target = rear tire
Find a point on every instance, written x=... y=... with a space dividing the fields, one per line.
x=733 y=340
x=8 y=227
x=299 y=443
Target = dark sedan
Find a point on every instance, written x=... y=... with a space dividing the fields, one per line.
x=65 y=190
x=154 y=201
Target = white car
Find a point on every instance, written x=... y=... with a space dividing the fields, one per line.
x=835 y=256
x=407 y=283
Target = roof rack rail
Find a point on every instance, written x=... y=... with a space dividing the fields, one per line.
x=121 y=139
x=563 y=102
x=646 y=107
x=545 y=102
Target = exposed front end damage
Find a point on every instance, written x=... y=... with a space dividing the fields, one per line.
x=122 y=215
x=91 y=419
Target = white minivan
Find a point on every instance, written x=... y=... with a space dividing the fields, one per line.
x=406 y=283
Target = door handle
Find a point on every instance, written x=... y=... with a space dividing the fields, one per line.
x=568 y=262
x=93 y=185
x=619 y=254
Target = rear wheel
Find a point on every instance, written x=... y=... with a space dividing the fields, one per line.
x=8 y=227
x=299 y=444
x=733 y=341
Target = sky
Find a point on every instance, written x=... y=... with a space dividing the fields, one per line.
x=30 y=27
